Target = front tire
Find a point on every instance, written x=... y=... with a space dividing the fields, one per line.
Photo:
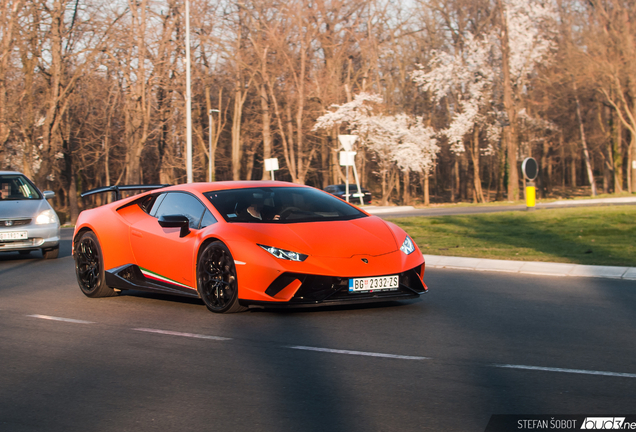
x=89 y=266
x=216 y=279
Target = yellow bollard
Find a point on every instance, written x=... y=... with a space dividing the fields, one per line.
x=531 y=195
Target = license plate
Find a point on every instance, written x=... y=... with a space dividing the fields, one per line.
x=374 y=284
x=13 y=235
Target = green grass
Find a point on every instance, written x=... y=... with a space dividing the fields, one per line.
x=591 y=235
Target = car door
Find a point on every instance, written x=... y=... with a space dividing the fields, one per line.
x=161 y=253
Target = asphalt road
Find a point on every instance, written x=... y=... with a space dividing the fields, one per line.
x=446 y=362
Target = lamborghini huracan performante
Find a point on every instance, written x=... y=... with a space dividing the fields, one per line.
x=244 y=244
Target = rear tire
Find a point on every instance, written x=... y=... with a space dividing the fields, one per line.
x=216 y=279
x=89 y=266
x=50 y=253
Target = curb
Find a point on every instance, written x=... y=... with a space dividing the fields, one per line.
x=386 y=209
x=531 y=267
x=618 y=200
x=377 y=209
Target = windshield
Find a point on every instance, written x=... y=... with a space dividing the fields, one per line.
x=17 y=187
x=280 y=205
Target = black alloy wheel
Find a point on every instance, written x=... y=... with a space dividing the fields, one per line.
x=216 y=279
x=89 y=266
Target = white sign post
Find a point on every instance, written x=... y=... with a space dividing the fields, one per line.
x=347 y=159
x=271 y=165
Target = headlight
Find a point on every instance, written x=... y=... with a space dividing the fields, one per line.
x=46 y=217
x=408 y=247
x=284 y=254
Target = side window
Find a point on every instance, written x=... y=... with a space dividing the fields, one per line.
x=156 y=204
x=148 y=203
x=179 y=203
x=208 y=219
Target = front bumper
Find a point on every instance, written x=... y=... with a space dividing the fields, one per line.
x=38 y=237
x=314 y=290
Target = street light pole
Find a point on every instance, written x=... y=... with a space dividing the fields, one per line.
x=188 y=98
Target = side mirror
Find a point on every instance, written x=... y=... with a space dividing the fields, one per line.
x=176 y=221
x=48 y=194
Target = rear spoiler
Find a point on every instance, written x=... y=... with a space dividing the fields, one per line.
x=118 y=189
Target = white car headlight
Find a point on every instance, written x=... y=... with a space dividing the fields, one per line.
x=46 y=217
x=284 y=254
x=408 y=247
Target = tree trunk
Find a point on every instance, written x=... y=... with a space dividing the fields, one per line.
x=426 y=189
x=586 y=153
x=7 y=30
x=324 y=162
x=266 y=121
x=455 y=184
x=406 y=196
x=617 y=154
x=511 y=110
x=236 y=132
x=474 y=154
x=543 y=172
x=501 y=170
x=138 y=102
x=631 y=168
x=384 y=188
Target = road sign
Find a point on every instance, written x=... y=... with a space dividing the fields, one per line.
x=530 y=168
x=347 y=158
x=271 y=165
x=347 y=141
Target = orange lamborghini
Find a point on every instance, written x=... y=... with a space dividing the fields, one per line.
x=244 y=244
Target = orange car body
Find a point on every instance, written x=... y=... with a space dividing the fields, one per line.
x=363 y=247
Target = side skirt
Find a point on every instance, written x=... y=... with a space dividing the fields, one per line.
x=130 y=277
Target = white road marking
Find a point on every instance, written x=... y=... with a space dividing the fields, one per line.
x=52 y=318
x=190 y=335
x=360 y=353
x=563 y=370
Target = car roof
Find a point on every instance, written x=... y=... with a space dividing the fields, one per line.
x=10 y=173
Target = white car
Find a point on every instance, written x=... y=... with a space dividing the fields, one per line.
x=27 y=220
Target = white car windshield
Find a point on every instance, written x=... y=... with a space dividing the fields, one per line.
x=17 y=187
x=280 y=205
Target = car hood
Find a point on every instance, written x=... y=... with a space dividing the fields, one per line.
x=339 y=239
x=10 y=209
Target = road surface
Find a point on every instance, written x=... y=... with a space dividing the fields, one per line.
x=478 y=344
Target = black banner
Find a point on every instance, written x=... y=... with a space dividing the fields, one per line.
x=566 y=423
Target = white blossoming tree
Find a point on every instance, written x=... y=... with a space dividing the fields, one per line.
x=469 y=77
x=466 y=77
x=395 y=141
x=403 y=141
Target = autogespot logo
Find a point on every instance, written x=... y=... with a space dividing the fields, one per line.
x=607 y=423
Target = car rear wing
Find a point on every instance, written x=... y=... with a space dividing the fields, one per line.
x=118 y=189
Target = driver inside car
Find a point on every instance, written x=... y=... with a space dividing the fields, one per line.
x=257 y=210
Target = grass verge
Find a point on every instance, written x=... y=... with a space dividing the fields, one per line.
x=591 y=235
